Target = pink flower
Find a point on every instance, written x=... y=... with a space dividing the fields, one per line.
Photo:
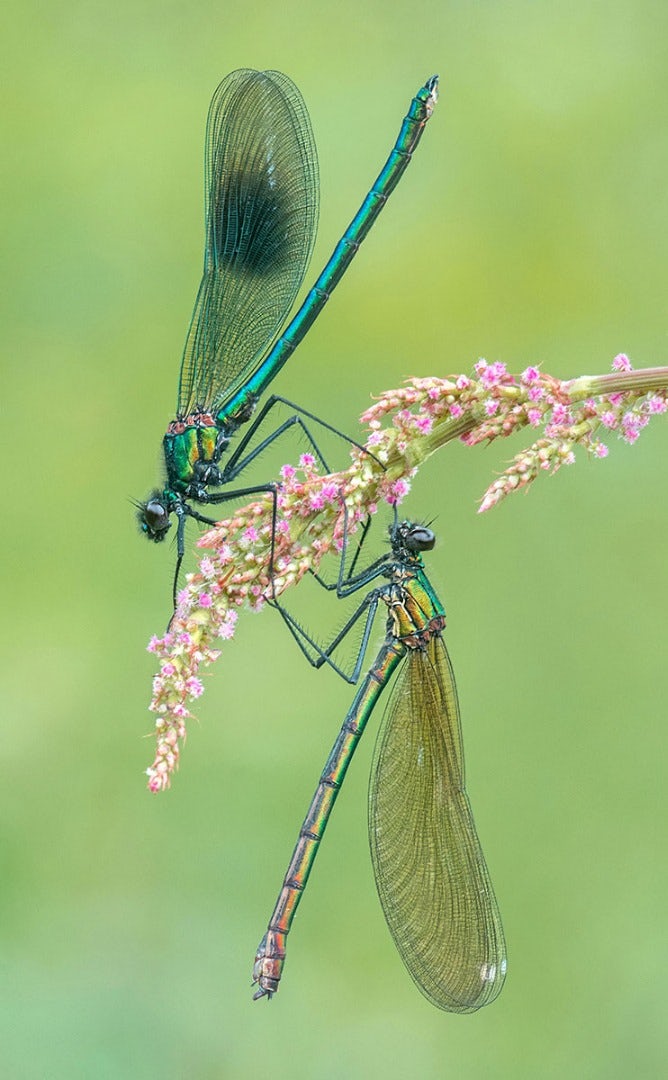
x=307 y=461
x=398 y=491
x=227 y=627
x=194 y=687
x=535 y=416
x=424 y=424
x=456 y=410
x=530 y=375
x=632 y=425
x=500 y=369
x=490 y=374
x=330 y=491
x=622 y=363
x=288 y=472
x=561 y=415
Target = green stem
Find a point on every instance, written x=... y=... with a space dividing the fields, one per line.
x=640 y=381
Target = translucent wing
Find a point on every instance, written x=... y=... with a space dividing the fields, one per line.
x=261 y=177
x=430 y=871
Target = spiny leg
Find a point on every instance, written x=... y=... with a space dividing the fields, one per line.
x=215 y=498
x=182 y=512
x=315 y=652
x=237 y=462
x=324 y=655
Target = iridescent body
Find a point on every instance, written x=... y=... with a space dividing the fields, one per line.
x=261 y=180
x=431 y=875
x=187 y=446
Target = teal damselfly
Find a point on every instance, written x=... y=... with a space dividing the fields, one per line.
x=261 y=182
x=431 y=875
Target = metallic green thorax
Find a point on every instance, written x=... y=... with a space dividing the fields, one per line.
x=186 y=449
x=412 y=605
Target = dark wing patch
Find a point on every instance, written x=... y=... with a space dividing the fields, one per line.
x=261 y=218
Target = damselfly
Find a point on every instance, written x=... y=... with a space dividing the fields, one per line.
x=260 y=225
x=431 y=875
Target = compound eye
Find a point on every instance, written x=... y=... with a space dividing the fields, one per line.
x=420 y=538
x=156 y=518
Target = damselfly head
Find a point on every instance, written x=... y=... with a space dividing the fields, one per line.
x=411 y=537
x=153 y=517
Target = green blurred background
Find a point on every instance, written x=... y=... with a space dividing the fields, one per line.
x=531 y=228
